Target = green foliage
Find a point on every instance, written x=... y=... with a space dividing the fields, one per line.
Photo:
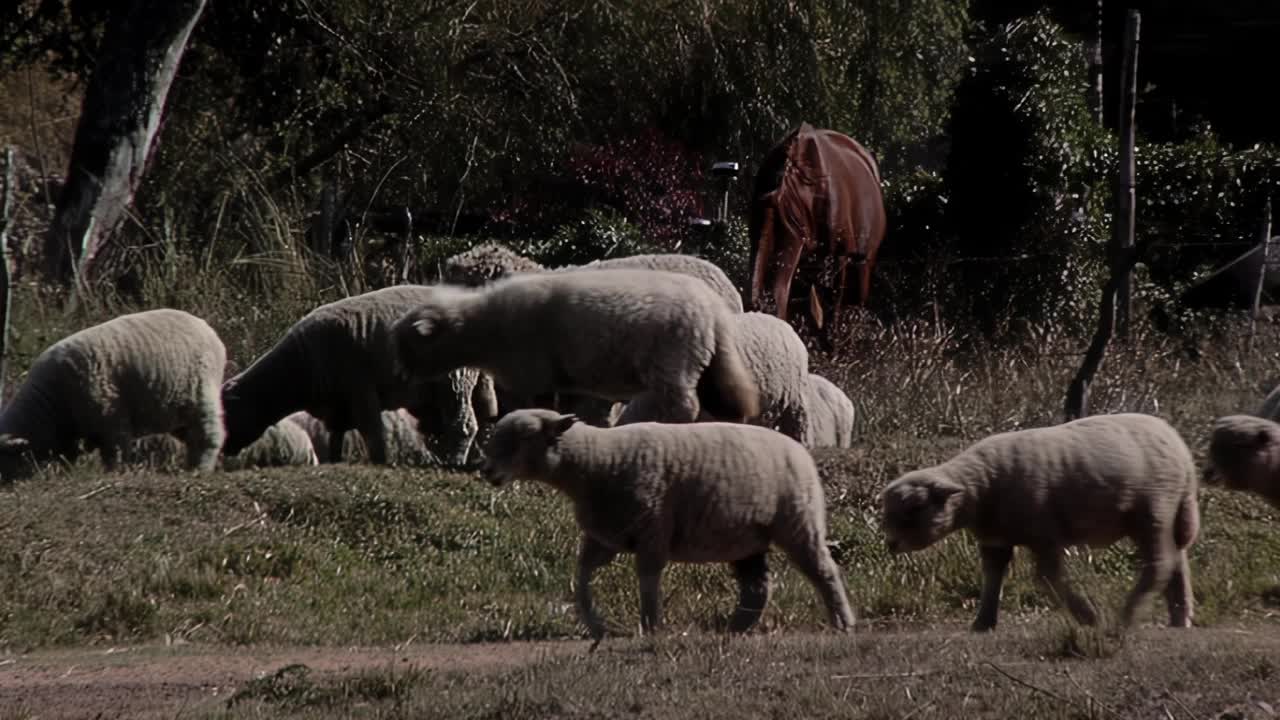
x=1201 y=202
x=1024 y=181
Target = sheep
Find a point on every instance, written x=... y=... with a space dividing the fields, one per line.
x=492 y=261
x=658 y=339
x=779 y=362
x=708 y=492
x=284 y=443
x=149 y=372
x=831 y=414
x=1090 y=481
x=1244 y=455
x=332 y=363
x=405 y=443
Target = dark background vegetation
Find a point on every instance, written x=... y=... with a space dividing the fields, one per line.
x=576 y=130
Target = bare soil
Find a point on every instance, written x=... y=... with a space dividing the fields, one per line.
x=148 y=681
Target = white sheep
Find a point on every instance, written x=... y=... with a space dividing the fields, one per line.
x=661 y=340
x=150 y=372
x=831 y=414
x=1091 y=481
x=779 y=362
x=1244 y=455
x=406 y=445
x=707 y=492
x=284 y=443
x=333 y=364
x=492 y=261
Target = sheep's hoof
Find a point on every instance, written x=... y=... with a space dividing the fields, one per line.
x=596 y=643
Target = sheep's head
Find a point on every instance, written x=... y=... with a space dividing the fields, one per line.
x=1242 y=452
x=16 y=458
x=525 y=444
x=919 y=509
x=425 y=342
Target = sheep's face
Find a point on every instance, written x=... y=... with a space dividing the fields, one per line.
x=1242 y=452
x=919 y=509
x=425 y=342
x=525 y=444
x=241 y=418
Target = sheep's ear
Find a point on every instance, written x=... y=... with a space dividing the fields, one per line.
x=1262 y=437
x=555 y=428
x=13 y=443
x=941 y=490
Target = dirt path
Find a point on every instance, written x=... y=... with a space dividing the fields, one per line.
x=157 y=681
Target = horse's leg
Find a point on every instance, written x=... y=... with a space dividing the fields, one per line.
x=787 y=264
x=764 y=255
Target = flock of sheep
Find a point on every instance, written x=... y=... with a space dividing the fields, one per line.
x=677 y=424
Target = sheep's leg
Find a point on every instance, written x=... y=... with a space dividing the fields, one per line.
x=667 y=405
x=1158 y=558
x=1050 y=573
x=649 y=566
x=794 y=422
x=204 y=437
x=336 y=437
x=369 y=425
x=995 y=565
x=752 y=573
x=591 y=556
x=1178 y=594
x=814 y=561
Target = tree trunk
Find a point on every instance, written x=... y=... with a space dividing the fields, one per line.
x=141 y=48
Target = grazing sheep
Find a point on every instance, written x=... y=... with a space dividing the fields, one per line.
x=658 y=339
x=1244 y=454
x=831 y=414
x=333 y=364
x=779 y=362
x=140 y=374
x=405 y=444
x=1092 y=481
x=284 y=443
x=708 y=492
x=492 y=261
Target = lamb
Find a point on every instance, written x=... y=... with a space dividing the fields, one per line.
x=1244 y=455
x=779 y=363
x=144 y=373
x=332 y=363
x=831 y=414
x=708 y=492
x=491 y=261
x=658 y=339
x=405 y=443
x=284 y=443
x=1090 y=481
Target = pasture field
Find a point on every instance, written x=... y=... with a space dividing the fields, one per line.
x=385 y=592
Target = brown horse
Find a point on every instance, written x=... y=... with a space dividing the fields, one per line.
x=817 y=194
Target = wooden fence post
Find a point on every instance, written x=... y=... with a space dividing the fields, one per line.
x=1123 y=227
x=1265 y=232
x=6 y=291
